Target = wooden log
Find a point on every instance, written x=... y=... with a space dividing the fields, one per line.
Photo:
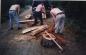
x=28 y=30
x=47 y=37
x=47 y=42
x=22 y=21
x=54 y=40
x=40 y=29
x=31 y=29
x=60 y=38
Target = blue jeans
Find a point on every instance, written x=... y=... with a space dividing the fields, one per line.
x=59 y=23
x=13 y=17
x=38 y=16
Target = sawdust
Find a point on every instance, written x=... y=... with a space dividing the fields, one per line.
x=24 y=38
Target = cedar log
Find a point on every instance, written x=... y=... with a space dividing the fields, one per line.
x=40 y=29
x=22 y=21
x=50 y=35
x=33 y=28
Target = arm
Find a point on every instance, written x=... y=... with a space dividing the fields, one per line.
x=53 y=18
x=18 y=9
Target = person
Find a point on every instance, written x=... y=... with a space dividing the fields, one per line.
x=58 y=19
x=14 y=16
x=38 y=14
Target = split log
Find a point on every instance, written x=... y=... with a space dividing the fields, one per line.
x=40 y=29
x=47 y=42
x=47 y=36
x=31 y=29
x=24 y=38
x=54 y=40
x=22 y=21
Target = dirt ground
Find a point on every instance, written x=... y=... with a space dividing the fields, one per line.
x=10 y=44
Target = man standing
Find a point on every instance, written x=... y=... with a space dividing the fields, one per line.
x=38 y=13
x=58 y=18
x=14 y=15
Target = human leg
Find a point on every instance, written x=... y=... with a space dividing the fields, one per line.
x=40 y=18
x=17 y=19
x=57 y=24
x=10 y=20
x=62 y=23
x=35 y=18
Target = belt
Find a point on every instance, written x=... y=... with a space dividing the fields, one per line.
x=60 y=13
x=12 y=10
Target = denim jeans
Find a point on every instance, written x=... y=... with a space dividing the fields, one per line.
x=59 y=23
x=13 y=17
x=38 y=16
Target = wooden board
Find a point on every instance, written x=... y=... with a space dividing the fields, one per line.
x=26 y=21
x=22 y=21
x=31 y=29
x=40 y=29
